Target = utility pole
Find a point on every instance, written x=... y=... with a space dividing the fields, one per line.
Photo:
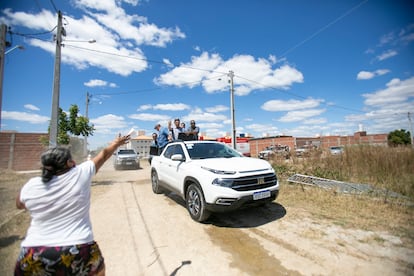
x=411 y=130
x=3 y=44
x=88 y=96
x=56 y=85
x=233 y=120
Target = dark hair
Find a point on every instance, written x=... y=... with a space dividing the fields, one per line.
x=54 y=160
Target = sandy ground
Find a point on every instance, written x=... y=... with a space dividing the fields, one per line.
x=141 y=233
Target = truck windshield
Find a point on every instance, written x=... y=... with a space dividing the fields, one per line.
x=210 y=150
x=126 y=151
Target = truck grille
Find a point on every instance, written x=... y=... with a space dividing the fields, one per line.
x=256 y=182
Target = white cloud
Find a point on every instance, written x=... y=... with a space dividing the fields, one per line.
x=387 y=109
x=209 y=125
x=144 y=107
x=249 y=74
x=396 y=91
x=109 y=123
x=30 y=20
x=381 y=72
x=167 y=107
x=217 y=108
x=299 y=115
x=365 y=75
x=315 y=121
x=150 y=117
x=112 y=29
x=31 y=107
x=205 y=117
x=171 y=107
x=387 y=54
x=99 y=83
x=262 y=128
x=24 y=117
x=168 y=62
x=387 y=38
x=129 y=27
x=185 y=75
x=279 y=105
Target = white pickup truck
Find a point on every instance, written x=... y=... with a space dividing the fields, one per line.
x=212 y=177
x=126 y=158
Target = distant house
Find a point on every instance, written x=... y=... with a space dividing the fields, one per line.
x=140 y=144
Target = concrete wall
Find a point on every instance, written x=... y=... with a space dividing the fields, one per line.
x=21 y=151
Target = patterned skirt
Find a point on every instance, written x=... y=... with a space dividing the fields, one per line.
x=81 y=259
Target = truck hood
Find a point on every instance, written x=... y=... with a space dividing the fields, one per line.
x=235 y=164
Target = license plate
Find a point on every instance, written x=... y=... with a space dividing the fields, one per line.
x=128 y=163
x=260 y=195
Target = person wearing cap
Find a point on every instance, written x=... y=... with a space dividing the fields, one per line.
x=163 y=137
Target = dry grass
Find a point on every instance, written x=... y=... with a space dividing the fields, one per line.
x=10 y=184
x=387 y=168
x=13 y=223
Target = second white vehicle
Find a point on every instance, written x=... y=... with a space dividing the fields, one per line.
x=212 y=177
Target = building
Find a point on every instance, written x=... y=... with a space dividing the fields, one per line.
x=141 y=144
x=324 y=142
x=21 y=151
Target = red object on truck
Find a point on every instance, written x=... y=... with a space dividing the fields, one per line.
x=242 y=144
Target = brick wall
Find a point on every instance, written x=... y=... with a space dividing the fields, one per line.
x=21 y=151
x=259 y=144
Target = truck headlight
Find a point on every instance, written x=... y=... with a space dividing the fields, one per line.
x=218 y=171
x=223 y=182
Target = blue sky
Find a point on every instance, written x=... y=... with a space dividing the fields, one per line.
x=301 y=67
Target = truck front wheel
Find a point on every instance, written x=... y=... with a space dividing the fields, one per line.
x=196 y=204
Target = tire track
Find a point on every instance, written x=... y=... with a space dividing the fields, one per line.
x=154 y=248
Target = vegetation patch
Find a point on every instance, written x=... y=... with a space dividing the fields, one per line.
x=381 y=167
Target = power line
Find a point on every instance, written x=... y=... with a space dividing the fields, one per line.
x=54 y=6
x=144 y=59
x=152 y=89
x=32 y=35
x=298 y=96
x=194 y=68
x=323 y=29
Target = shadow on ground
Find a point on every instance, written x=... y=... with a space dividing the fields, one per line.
x=243 y=218
x=249 y=217
x=6 y=241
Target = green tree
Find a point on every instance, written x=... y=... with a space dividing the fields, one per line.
x=399 y=137
x=72 y=125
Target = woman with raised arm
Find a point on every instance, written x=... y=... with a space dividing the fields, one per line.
x=60 y=240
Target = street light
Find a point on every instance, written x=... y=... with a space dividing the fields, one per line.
x=88 y=41
x=14 y=48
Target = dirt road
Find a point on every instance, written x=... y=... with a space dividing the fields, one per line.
x=141 y=233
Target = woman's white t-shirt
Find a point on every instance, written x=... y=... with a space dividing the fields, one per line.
x=59 y=208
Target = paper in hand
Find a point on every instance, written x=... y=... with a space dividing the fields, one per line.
x=131 y=132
